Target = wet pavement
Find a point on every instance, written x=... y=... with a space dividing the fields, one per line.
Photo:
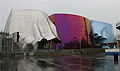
x=60 y=63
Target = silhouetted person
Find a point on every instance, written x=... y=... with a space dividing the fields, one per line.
x=115 y=58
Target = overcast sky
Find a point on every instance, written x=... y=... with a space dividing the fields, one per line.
x=101 y=10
